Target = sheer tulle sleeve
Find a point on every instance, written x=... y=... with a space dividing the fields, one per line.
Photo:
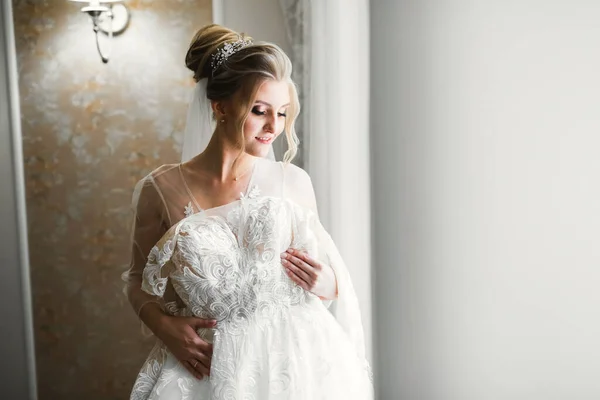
x=345 y=308
x=310 y=234
x=150 y=222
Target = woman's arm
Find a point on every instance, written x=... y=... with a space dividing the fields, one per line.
x=304 y=269
x=177 y=333
x=149 y=225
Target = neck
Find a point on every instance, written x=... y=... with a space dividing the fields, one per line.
x=219 y=159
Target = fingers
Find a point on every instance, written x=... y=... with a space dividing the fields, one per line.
x=202 y=352
x=191 y=370
x=299 y=266
x=199 y=352
x=201 y=365
x=196 y=343
x=299 y=281
x=198 y=323
x=308 y=260
x=298 y=272
x=202 y=347
x=201 y=357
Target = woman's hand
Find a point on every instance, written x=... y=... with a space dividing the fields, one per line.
x=180 y=337
x=310 y=274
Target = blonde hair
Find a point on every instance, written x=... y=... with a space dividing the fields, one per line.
x=242 y=74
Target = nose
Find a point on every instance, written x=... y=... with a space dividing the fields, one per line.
x=271 y=125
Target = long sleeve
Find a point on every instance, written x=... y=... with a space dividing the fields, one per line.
x=149 y=225
x=345 y=308
x=299 y=188
x=312 y=236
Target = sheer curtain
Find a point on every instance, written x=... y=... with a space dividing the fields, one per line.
x=296 y=15
x=330 y=52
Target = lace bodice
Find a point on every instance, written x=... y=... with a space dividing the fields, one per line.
x=225 y=263
x=163 y=198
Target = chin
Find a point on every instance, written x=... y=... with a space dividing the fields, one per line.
x=262 y=151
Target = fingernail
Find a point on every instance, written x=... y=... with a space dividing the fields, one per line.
x=283 y=255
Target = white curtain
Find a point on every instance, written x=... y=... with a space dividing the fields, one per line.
x=297 y=26
x=330 y=50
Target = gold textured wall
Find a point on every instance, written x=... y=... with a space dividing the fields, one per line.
x=91 y=130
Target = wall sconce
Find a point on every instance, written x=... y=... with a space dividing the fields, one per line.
x=110 y=17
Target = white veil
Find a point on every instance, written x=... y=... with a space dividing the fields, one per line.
x=200 y=124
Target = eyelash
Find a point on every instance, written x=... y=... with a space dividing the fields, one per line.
x=255 y=111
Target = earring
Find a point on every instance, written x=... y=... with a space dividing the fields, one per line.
x=223 y=120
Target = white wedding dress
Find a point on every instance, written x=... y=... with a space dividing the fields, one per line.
x=273 y=340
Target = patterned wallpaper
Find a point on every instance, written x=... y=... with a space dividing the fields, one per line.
x=91 y=130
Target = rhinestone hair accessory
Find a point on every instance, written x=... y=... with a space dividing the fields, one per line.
x=229 y=49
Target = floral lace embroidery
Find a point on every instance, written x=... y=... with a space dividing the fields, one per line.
x=153 y=282
x=253 y=193
x=189 y=209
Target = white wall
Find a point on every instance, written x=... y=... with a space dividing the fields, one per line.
x=486 y=199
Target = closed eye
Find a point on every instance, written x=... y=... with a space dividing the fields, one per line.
x=256 y=111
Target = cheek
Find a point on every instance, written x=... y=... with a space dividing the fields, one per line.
x=251 y=126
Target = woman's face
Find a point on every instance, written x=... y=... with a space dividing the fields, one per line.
x=266 y=119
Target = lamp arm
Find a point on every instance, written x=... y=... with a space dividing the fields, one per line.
x=103 y=56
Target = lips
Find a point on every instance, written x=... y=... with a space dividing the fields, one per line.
x=265 y=139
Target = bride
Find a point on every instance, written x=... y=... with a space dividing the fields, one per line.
x=231 y=268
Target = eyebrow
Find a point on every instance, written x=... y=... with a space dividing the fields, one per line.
x=269 y=105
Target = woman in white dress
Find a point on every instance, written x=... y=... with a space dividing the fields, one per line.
x=231 y=268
